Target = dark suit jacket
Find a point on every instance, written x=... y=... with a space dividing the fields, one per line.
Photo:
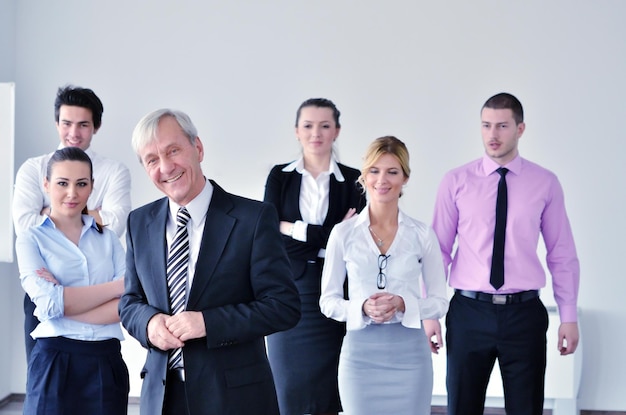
x=242 y=286
x=282 y=189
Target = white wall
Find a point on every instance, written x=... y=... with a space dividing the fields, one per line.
x=8 y=272
x=418 y=70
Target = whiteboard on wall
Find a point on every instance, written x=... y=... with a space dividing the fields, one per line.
x=7 y=133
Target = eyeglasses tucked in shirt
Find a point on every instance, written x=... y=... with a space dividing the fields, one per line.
x=381 y=280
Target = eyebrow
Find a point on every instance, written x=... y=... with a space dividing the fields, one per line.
x=75 y=122
x=67 y=179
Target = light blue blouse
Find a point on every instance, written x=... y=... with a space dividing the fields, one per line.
x=98 y=258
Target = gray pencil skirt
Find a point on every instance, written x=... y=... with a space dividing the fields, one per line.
x=385 y=369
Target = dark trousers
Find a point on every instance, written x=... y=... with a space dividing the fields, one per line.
x=175 y=402
x=30 y=323
x=67 y=376
x=478 y=333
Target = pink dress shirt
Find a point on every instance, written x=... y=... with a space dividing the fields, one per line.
x=465 y=213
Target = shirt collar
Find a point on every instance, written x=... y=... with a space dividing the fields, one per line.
x=363 y=218
x=298 y=165
x=197 y=208
x=490 y=166
x=88 y=222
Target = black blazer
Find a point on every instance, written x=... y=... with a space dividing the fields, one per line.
x=242 y=286
x=283 y=191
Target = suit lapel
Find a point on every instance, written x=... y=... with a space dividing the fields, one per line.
x=156 y=245
x=217 y=229
x=334 y=203
x=294 y=183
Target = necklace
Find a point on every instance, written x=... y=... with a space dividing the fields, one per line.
x=380 y=242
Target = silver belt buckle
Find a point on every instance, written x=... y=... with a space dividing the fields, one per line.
x=498 y=299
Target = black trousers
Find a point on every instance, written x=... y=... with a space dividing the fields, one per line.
x=30 y=323
x=175 y=402
x=478 y=333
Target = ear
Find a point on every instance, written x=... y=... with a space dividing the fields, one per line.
x=521 y=127
x=200 y=148
x=46 y=185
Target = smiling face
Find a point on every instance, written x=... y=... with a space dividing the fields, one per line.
x=173 y=162
x=69 y=186
x=384 y=179
x=500 y=134
x=75 y=126
x=316 y=130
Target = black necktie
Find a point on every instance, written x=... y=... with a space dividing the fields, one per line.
x=497 y=261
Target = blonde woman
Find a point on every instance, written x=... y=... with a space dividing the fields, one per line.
x=397 y=294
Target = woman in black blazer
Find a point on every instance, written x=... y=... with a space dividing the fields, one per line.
x=311 y=195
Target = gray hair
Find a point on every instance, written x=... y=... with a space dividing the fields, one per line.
x=145 y=131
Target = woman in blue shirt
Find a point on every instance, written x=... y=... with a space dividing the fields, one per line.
x=73 y=270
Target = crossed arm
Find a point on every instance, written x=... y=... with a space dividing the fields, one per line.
x=93 y=304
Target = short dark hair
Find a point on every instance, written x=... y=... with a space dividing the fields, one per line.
x=320 y=103
x=79 y=97
x=506 y=101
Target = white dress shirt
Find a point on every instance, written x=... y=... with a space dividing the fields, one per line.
x=197 y=209
x=111 y=192
x=314 y=197
x=414 y=271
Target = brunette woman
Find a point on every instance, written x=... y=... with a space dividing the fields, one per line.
x=311 y=194
x=73 y=270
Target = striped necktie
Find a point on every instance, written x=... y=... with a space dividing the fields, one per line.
x=177 y=262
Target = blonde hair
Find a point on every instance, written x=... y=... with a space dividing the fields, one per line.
x=385 y=145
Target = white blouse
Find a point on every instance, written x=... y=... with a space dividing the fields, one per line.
x=314 y=197
x=414 y=271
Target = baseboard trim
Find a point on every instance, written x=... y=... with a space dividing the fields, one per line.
x=19 y=397
x=14 y=397
x=436 y=410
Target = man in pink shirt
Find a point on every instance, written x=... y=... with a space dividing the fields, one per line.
x=503 y=318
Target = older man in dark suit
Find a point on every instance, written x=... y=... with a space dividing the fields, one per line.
x=207 y=274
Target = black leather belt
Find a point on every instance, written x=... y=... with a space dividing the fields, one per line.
x=500 y=298
x=177 y=374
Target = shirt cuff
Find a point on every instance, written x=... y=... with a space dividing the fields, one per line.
x=568 y=313
x=299 y=231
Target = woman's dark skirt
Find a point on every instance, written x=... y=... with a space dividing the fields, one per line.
x=304 y=359
x=67 y=376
